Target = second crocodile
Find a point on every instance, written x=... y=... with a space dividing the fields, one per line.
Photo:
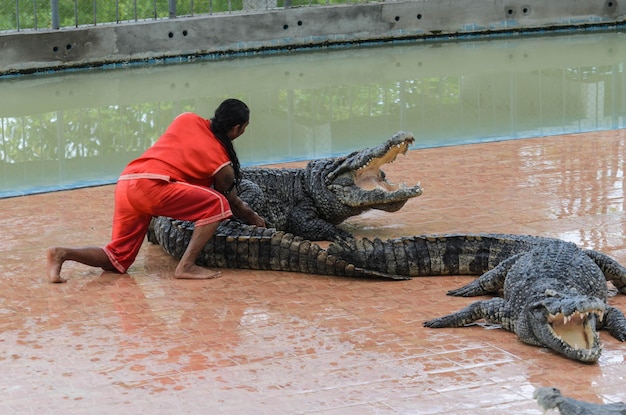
x=553 y=294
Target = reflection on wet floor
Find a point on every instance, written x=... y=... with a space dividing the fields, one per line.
x=286 y=343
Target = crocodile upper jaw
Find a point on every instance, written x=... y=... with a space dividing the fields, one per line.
x=359 y=181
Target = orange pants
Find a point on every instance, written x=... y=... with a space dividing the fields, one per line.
x=138 y=199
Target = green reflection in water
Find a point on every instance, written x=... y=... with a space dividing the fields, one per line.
x=80 y=128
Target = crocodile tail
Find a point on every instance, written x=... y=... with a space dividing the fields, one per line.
x=425 y=255
x=249 y=247
x=172 y=235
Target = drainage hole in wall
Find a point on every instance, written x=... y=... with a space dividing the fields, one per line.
x=419 y=16
x=610 y=4
x=510 y=11
x=526 y=10
x=170 y=35
x=68 y=46
x=55 y=49
x=286 y=26
x=397 y=18
x=185 y=33
x=299 y=22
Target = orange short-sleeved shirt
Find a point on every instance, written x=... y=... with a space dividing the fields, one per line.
x=187 y=151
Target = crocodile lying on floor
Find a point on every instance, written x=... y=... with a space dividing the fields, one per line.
x=554 y=293
x=551 y=398
x=311 y=201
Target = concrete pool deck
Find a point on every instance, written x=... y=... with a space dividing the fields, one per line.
x=285 y=343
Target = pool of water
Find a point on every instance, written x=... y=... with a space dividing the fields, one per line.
x=80 y=128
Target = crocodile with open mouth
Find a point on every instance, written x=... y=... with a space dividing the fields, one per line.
x=553 y=293
x=311 y=201
x=299 y=205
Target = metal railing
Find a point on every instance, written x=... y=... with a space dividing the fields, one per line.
x=18 y=15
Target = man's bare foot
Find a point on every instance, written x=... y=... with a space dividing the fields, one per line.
x=55 y=261
x=195 y=272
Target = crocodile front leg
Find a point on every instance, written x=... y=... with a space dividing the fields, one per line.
x=303 y=220
x=493 y=311
x=490 y=282
x=615 y=323
x=613 y=271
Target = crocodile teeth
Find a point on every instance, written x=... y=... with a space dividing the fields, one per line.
x=579 y=314
x=573 y=330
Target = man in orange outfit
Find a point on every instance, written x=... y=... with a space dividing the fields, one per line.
x=190 y=173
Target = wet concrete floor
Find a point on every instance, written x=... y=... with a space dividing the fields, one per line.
x=258 y=342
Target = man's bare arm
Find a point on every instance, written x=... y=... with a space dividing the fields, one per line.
x=224 y=180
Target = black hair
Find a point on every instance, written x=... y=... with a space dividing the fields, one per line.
x=229 y=114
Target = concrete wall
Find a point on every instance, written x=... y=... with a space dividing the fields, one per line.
x=257 y=31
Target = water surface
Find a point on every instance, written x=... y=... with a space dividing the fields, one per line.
x=80 y=128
